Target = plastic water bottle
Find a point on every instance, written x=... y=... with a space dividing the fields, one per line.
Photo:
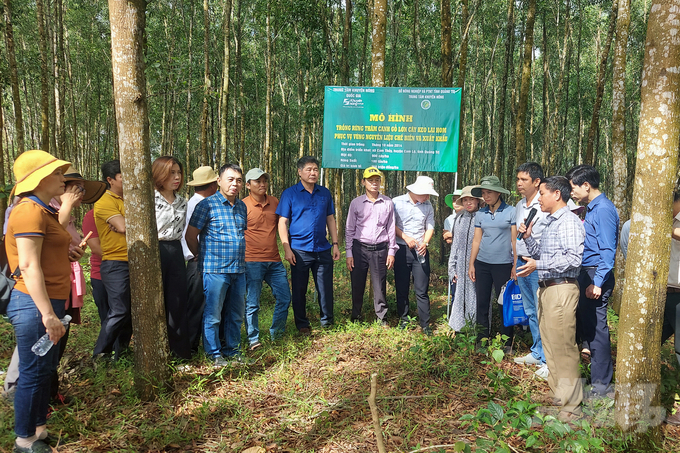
x=43 y=345
x=421 y=258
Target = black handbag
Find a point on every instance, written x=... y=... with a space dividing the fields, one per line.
x=6 y=285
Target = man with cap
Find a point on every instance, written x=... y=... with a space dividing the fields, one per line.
x=263 y=262
x=308 y=208
x=370 y=244
x=414 y=219
x=205 y=185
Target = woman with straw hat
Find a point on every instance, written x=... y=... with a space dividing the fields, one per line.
x=492 y=260
x=38 y=246
x=464 y=306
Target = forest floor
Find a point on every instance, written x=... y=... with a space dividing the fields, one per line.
x=309 y=394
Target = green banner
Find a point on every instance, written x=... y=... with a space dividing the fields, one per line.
x=412 y=129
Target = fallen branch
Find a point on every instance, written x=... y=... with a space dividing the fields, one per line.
x=374 y=414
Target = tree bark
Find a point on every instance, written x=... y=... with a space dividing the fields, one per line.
x=509 y=50
x=268 y=59
x=14 y=78
x=127 y=19
x=378 y=40
x=638 y=361
x=44 y=83
x=594 y=121
x=205 y=160
x=619 y=152
x=447 y=52
x=346 y=43
x=520 y=126
x=224 y=99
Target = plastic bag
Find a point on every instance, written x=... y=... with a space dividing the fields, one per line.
x=513 y=308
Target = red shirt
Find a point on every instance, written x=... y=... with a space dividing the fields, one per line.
x=95 y=261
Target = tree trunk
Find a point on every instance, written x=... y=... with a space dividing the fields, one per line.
x=378 y=40
x=638 y=361
x=594 y=122
x=520 y=126
x=60 y=63
x=127 y=19
x=346 y=43
x=268 y=58
x=509 y=50
x=44 y=83
x=14 y=78
x=205 y=160
x=447 y=52
x=3 y=200
x=619 y=152
x=224 y=99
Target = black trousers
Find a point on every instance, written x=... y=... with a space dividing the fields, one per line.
x=376 y=261
x=118 y=322
x=593 y=330
x=174 y=274
x=195 y=305
x=101 y=299
x=671 y=321
x=490 y=277
x=406 y=264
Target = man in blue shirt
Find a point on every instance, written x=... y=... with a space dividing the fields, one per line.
x=221 y=220
x=596 y=279
x=308 y=208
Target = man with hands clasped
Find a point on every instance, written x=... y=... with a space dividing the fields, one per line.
x=370 y=243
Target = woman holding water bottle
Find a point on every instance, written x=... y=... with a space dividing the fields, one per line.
x=38 y=249
x=492 y=259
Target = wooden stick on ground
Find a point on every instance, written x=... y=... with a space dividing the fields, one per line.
x=374 y=414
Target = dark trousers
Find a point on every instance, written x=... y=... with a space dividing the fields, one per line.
x=118 y=323
x=592 y=327
x=195 y=304
x=101 y=299
x=321 y=265
x=376 y=260
x=406 y=264
x=174 y=274
x=490 y=277
x=671 y=321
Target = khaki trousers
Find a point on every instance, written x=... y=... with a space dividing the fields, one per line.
x=557 y=323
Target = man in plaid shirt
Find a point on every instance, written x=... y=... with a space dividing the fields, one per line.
x=221 y=220
x=557 y=259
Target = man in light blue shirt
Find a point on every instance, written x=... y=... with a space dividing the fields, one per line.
x=414 y=219
x=529 y=176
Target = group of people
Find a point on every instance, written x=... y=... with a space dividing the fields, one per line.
x=217 y=249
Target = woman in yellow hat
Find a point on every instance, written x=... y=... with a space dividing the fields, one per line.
x=38 y=247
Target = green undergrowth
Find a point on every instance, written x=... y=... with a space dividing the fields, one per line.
x=309 y=394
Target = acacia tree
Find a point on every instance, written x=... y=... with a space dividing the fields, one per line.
x=14 y=77
x=520 y=126
x=127 y=19
x=638 y=360
x=378 y=40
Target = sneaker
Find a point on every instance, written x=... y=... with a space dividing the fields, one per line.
x=305 y=331
x=255 y=346
x=219 y=362
x=37 y=447
x=527 y=360
x=542 y=372
x=673 y=419
x=239 y=361
x=427 y=330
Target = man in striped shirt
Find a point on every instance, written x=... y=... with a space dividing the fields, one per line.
x=557 y=259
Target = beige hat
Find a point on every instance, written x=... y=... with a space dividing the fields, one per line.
x=202 y=176
x=466 y=192
x=424 y=185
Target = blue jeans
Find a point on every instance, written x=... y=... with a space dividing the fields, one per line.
x=275 y=275
x=215 y=287
x=35 y=373
x=529 y=287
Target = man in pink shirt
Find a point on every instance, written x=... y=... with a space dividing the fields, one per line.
x=370 y=244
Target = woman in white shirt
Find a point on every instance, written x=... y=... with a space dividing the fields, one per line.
x=171 y=211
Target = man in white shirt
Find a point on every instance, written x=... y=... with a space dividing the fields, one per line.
x=205 y=185
x=529 y=177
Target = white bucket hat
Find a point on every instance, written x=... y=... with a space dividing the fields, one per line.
x=424 y=185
